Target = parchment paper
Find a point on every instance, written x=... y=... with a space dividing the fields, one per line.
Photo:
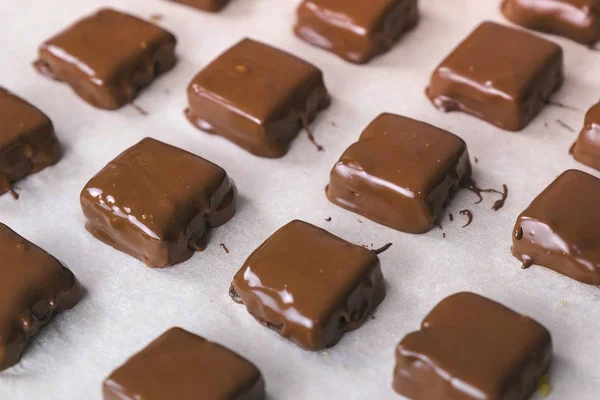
x=127 y=304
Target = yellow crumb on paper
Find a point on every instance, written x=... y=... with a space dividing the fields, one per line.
x=543 y=386
x=563 y=303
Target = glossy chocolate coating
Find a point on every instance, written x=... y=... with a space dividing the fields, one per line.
x=156 y=202
x=183 y=366
x=309 y=285
x=355 y=30
x=491 y=78
x=586 y=149
x=28 y=143
x=204 y=5
x=560 y=229
x=472 y=348
x=256 y=96
x=108 y=57
x=578 y=20
x=33 y=287
x=400 y=173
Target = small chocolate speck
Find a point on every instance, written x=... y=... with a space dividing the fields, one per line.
x=451 y=217
x=156 y=17
x=476 y=160
x=328 y=219
x=444 y=235
x=333 y=124
x=373 y=317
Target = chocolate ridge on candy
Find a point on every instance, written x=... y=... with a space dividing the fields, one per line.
x=156 y=202
x=257 y=96
x=309 y=285
x=108 y=57
x=586 y=149
x=498 y=74
x=28 y=143
x=400 y=173
x=560 y=229
x=578 y=20
x=470 y=347
x=33 y=287
x=355 y=30
x=204 y=5
x=184 y=366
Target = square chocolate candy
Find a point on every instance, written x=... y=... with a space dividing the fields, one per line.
x=204 y=5
x=309 y=285
x=184 y=366
x=586 y=149
x=108 y=57
x=156 y=202
x=400 y=173
x=256 y=96
x=28 y=143
x=470 y=347
x=491 y=78
x=355 y=30
x=578 y=20
x=560 y=229
x=33 y=287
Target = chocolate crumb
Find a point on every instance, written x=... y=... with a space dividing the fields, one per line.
x=373 y=317
x=359 y=221
x=224 y=248
x=328 y=219
x=333 y=124
x=444 y=235
x=156 y=17
x=476 y=160
x=451 y=217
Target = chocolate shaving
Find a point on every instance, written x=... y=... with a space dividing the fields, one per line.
x=561 y=105
x=469 y=215
x=224 y=248
x=567 y=127
x=139 y=109
x=382 y=249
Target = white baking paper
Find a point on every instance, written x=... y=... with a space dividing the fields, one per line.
x=127 y=305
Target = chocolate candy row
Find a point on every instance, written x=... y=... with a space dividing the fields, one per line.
x=310 y=287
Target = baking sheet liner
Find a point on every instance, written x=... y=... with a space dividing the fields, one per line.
x=127 y=304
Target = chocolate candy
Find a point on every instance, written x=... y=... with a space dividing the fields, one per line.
x=586 y=149
x=309 y=285
x=33 y=287
x=256 y=96
x=28 y=143
x=355 y=30
x=560 y=229
x=400 y=173
x=156 y=202
x=578 y=20
x=181 y=365
x=108 y=57
x=470 y=347
x=205 y=5
x=491 y=78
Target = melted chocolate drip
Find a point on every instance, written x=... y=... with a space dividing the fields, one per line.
x=224 y=248
x=472 y=186
x=310 y=134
